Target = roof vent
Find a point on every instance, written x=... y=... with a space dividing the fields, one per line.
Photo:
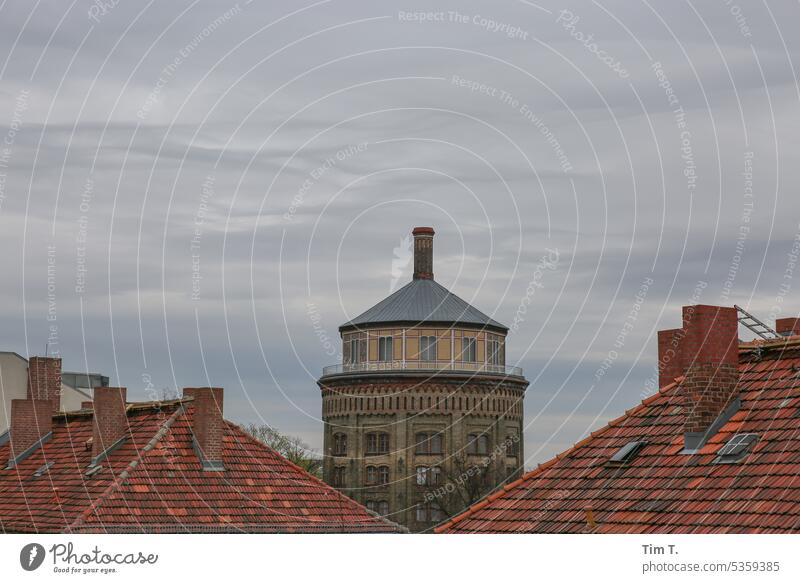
x=626 y=453
x=738 y=447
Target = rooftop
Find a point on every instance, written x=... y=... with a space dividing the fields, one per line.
x=153 y=481
x=744 y=479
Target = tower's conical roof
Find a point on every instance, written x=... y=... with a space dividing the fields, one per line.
x=422 y=300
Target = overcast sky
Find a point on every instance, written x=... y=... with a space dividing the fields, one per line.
x=216 y=186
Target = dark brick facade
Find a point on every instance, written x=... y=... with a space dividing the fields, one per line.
x=404 y=405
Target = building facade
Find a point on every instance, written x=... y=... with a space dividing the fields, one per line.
x=422 y=416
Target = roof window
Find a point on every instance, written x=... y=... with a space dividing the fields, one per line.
x=737 y=447
x=627 y=453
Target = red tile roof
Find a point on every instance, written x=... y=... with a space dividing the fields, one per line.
x=154 y=482
x=662 y=490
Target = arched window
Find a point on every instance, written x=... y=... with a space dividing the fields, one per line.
x=377 y=475
x=339 y=444
x=429 y=512
x=379 y=506
x=429 y=443
x=477 y=444
x=512 y=445
x=429 y=476
x=377 y=443
x=339 y=477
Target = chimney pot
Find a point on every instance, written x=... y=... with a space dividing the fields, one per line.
x=110 y=418
x=788 y=326
x=44 y=380
x=208 y=425
x=423 y=252
x=31 y=420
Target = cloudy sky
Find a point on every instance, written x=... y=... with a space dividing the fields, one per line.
x=197 y=193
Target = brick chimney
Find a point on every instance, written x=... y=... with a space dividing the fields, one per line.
x=208 y=426
x=710 y=349
x=670 y=358
x=423 y=252
x=31 y=421
x=110 y=418
x=44 y=380
x=788 y=326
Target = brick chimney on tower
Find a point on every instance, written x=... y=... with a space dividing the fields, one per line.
x=423 y=252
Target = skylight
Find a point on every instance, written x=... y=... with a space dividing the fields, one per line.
x=627 y=452
x=41 y=471
x=738 y=446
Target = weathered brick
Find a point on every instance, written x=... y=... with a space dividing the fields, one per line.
x=44 y=380
x=110 y=417
x=30 y=421
x=208 y=423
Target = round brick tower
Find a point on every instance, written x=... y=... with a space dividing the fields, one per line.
x=422 y=417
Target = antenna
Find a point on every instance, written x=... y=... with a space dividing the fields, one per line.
x=755 y=325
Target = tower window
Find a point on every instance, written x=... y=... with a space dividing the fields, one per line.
x=429 y=444
x=429 y=512
x=378 y=506
x=377 y=443
x=339 y=476
x=385 y=348
x=377 y=475
x=495 y=353
x=429 y=476
x=469 y=352
x=339 y=444
x=357 y=350
x=512 y=445
x=427 y=348
x=477 y=444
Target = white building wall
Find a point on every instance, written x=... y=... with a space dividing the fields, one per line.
x=13 y=384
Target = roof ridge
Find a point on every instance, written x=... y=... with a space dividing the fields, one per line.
x=558 y=457
x=122 y=477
